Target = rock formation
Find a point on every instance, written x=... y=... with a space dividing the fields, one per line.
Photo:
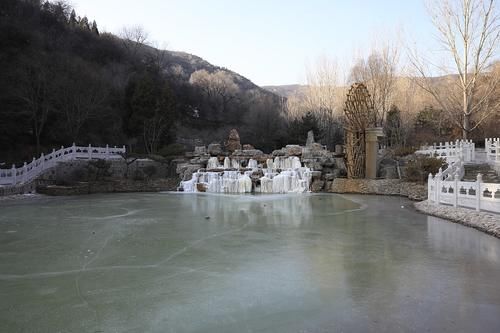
x=310 y=138
x=233 y=142
x=229 y=167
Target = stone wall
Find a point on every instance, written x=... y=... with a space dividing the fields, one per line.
x=413 y=191
x=111 y=186
x=70 y=171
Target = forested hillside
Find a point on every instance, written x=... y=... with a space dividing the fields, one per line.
x=63 y=81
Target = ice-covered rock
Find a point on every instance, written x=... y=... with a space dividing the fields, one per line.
x=252 y=164
x=213 y=163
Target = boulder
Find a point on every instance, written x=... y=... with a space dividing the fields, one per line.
x=329 y=177
x=248 y=147
x=279 y=152
x=293 y=150
x=188 y=171
x=214 y=149
x=317 y=185
x=199 y=150
x=316 y=174
x=246 y=154
x=202 y=159
x=233 y=142
x=201 y=187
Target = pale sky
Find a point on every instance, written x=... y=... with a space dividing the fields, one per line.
x=268 y=42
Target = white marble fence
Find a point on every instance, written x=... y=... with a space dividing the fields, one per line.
x=451 y=151
x=29 y=171
x=476 y=195
x=446 y=187
x=492 y=149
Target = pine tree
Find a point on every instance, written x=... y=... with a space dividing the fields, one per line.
x=72 y=19
x=84 y=23
x=94 y=28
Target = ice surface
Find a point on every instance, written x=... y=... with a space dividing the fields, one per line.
x=261 y=263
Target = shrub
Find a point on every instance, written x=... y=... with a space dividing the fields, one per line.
x=404 y=151
x=172 y=149
x=418 y=168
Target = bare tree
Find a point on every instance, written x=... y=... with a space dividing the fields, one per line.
x=80 y=99
x=219 y=88
x=158 y=56
x=36 y=91
x=134 y=39
x=324 y=97
x=378 y=73
x=469 y=32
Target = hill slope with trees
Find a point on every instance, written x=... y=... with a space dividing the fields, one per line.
x=64 y=81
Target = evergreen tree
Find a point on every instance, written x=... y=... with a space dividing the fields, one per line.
x=150 y=111
x=94 y=28
x=84 y=23
x=393 y=128
x=72 y=19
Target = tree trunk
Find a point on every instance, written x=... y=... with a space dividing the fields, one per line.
x=466 y=114
x=466 y=129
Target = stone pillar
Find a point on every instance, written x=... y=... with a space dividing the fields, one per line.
x=371 y=141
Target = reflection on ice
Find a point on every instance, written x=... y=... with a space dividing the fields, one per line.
x=446 y=236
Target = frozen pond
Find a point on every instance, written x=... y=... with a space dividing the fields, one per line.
x=171 y=262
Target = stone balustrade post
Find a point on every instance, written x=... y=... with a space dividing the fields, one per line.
x=437 y=183
x=107 y=151
x=473 y=151
x=25 y=170
x=497 y=151
x=73 y=150
x=14 y=175
x=478 y=191
x=455 y=191
x=430 y=192
x=90 y=152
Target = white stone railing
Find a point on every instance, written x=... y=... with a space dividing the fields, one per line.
x=476 y=195
x=451 y=151
x=492 y=149
x=454 y=169
x=30 y=171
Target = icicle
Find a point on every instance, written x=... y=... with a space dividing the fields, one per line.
x=227 y=163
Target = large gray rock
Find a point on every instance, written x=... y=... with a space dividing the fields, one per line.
x=279 y=152
x=186 y=170
x=247 y=154
x=293 y=150
x=233 y=142
x=202 y=159
x=317 y=185
x=316 y=175
x=199 y=150
x=214 y=149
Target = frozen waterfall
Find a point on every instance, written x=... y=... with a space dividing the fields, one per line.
x=219 y=182
x=281 y=175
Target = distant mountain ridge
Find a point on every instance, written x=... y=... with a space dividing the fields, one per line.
x=286 y=90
